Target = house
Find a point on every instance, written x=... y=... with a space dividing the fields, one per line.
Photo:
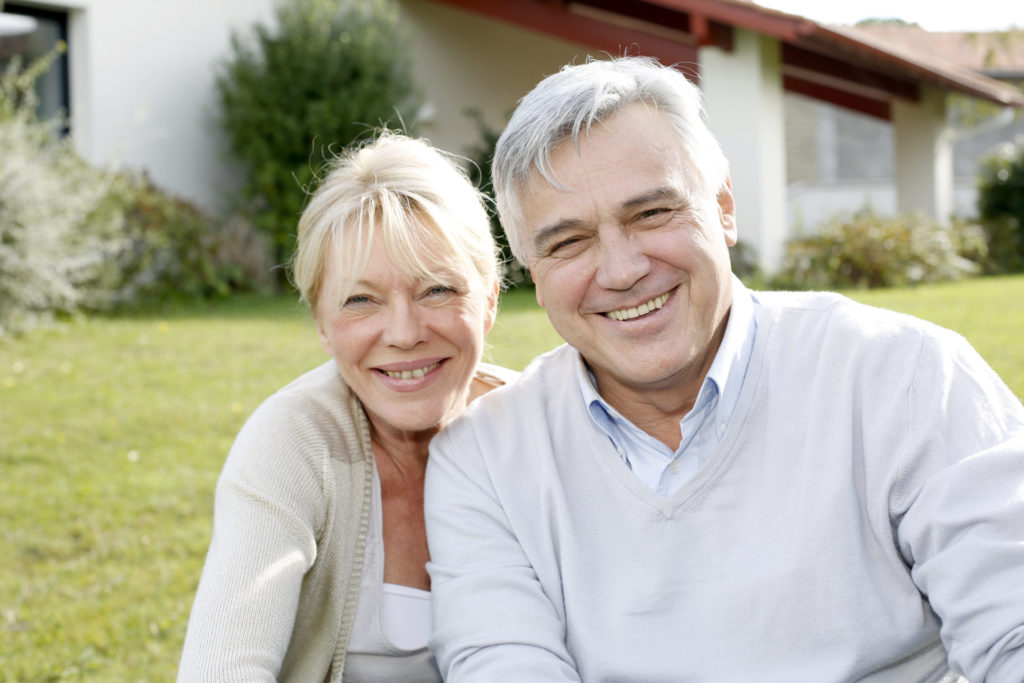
x=840 y=160
x=141 y=74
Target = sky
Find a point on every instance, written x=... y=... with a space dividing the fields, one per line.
x=933 y=15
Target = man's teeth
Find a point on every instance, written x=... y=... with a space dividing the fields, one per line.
x=642 y=309
x=411 y=374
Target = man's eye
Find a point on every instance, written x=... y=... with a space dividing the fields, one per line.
x=357 y=299
x=564 y=244
x=440 y=290
x=650 y=213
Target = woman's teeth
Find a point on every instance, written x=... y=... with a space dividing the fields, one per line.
x=411 y=374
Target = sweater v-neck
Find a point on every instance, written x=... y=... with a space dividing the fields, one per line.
x=692 y=492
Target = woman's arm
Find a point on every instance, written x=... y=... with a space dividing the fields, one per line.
x=269 y=505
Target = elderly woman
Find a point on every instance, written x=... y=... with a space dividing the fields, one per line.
x=316 y=570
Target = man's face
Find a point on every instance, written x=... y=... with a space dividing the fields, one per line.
x=631 y=263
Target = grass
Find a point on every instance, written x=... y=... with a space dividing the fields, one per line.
x=113 y=432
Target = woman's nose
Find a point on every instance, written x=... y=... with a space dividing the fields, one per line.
x=403 y=327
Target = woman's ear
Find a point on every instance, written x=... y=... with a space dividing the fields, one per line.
x=325 y=341
x=492 y=308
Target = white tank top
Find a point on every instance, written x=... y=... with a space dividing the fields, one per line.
x=392 y=623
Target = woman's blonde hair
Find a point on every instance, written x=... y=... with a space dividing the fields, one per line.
x=409 y=194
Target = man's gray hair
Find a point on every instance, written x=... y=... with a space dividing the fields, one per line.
x=568 y=103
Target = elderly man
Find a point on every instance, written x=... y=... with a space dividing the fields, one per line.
x=709 y=483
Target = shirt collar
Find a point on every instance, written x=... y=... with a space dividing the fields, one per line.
x=725 y=374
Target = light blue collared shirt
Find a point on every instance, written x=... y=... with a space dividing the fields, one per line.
x=657 y=466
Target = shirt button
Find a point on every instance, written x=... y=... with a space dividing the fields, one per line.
x=721 y=429
x=675 y=466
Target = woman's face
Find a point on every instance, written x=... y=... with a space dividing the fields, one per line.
x=407 y=347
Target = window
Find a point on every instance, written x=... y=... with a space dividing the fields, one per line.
x=30 y=32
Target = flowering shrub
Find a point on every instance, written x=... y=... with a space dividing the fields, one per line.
x=866 y=251
x=73 y=237
x=53 y=241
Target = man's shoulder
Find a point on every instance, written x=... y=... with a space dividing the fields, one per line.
x=546 y=381
x=837 y=313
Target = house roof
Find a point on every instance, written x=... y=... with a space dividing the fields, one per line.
x=841 y=65
x=995 y=54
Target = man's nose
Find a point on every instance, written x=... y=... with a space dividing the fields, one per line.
x=622 y=263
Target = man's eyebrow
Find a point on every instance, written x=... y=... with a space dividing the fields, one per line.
x=551 y=232
x=659 y=194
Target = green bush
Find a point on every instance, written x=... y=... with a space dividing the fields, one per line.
x=745 y=265
x=327 y=73
x=75 y=238
x=1001 y=206
x=170 y=248
x=867 y=251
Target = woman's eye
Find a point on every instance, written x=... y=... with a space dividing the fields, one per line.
x=440 y=290
x=357 y=299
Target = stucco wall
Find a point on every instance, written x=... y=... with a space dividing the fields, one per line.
x=142 y=87
x=142 y=81
x=743 y=90
x=464 y=60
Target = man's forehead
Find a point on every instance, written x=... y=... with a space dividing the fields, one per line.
x=542 y=199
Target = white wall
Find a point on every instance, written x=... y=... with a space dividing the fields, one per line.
x=923 y=155
x=462 y=59
x=142 y=87
x=743 y=90
x=813 y=203
x=142 y=81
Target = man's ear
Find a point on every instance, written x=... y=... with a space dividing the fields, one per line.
x=727 y=213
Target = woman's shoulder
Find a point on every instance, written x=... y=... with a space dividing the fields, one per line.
x=495 y=375
x=314 y=412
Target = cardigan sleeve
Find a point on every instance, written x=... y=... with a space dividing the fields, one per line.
x=960 y=507
x=268 y=508
x=492 y=619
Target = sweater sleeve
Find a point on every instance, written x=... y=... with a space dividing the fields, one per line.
x=492 y=619
x=960 y=507
x=269 y=504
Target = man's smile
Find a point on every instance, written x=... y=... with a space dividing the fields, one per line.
x=637 y=311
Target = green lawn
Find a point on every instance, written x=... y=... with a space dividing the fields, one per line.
x=113 y=431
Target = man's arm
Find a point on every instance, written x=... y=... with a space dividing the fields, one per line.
x=492 y=619
x=961 y=498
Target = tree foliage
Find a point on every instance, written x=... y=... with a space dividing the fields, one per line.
x=325 y=74
x=480 y=155
x=1001 y=206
